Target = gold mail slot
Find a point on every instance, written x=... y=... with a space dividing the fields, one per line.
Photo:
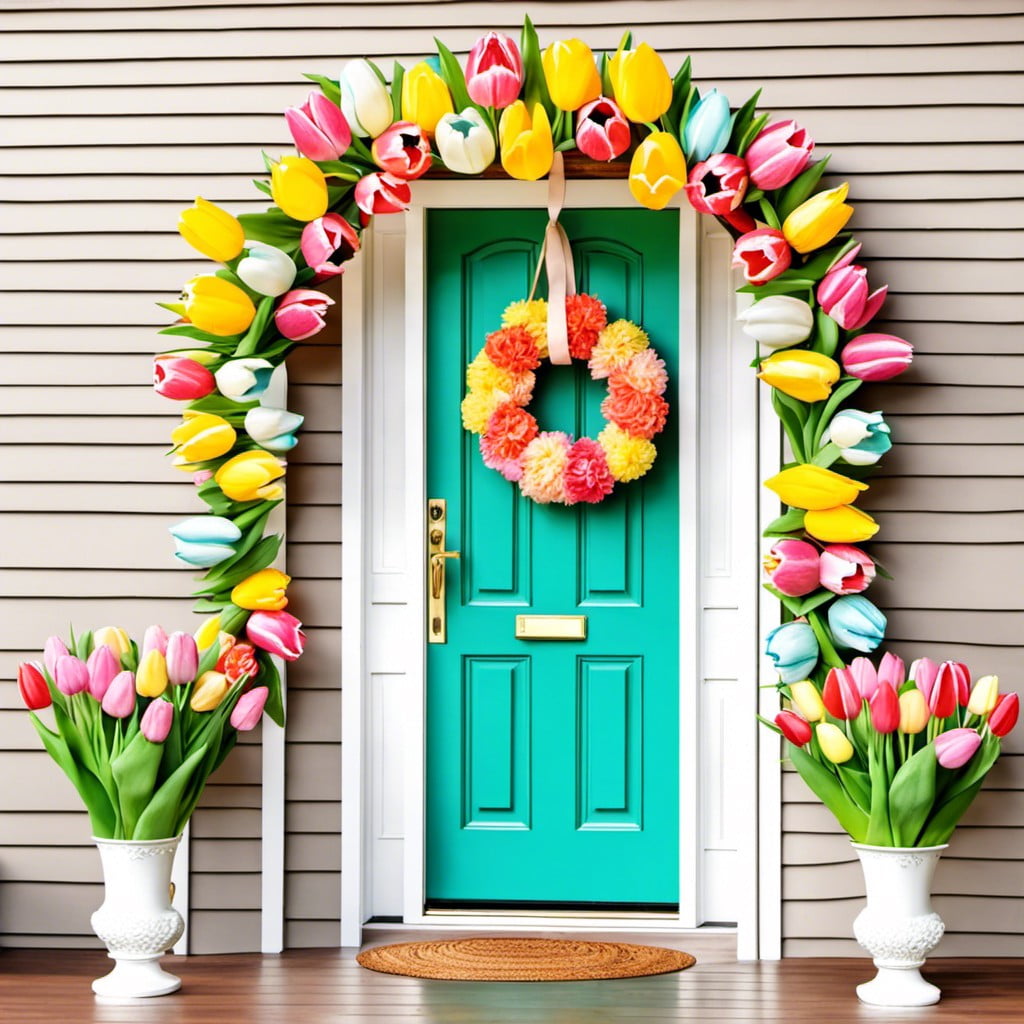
x=551 y=627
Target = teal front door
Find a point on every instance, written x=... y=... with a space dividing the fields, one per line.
x=552 y=765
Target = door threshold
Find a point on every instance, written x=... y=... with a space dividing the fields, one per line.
x=602 y=915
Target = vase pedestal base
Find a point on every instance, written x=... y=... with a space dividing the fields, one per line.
x=898 y=986
x=136 y=979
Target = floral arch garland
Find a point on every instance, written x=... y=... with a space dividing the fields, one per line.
x=362 y=139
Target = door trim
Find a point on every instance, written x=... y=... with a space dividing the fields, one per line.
x=384 y=636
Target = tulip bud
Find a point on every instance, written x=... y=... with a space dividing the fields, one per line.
x=181 y=379
x=382 y=193
x=885 y=709
x=762 y=255
x=494 y=71
x=217 y=306
x=273 y=429
x=914 y=713
x=365 y=100
x=244 y=380
x=845 y=569
x=249 y=710
x=53 y=649
x=778 y=154
x=892 y=670
x=657 y=171
x=115 y=638
x=211 y=231
x=119 y=700
x=156 y=721
x=425 y=97
x=602 y=131
x=778 y=321
x=923 y=672
x=793 y=648
x=842 y=525
x=1004 y=715
x=210 y=689
x=182 y=659
x=154 y=639
x=203 y=541
x=984 y=695
x=641 y=83
x=875 y=357
x=571 y=74
x=856 y=623
x=71 y=675
x=206 y=635
x=792 y=567
x=301 y=314
x=32 y=686
x=708 y=127
x=813 y=487
x=840 y=694
x=465 y=142
x=240 y=661
x=843 y=294
x=277 y=632
x=806 y=698
x=249 y=476
x=955 y=748
x=801 y=374
x=795 y=728
x=861 y=437
x=402 y=150
x=319 y=129
x=818 y=220
x=299 y=188
x=267 y=269
x=327 y=243
x=833 y=742
x=262 y=590
x=151 y=678
x=864 y=676
x=527 y=149
x=200 y=437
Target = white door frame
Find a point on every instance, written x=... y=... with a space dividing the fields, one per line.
x=383 y=537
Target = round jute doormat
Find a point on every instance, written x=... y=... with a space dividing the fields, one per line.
x=521 y=959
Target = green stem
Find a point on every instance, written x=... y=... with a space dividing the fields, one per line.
x=828 y=651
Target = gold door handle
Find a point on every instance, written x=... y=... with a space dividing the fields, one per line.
x=437 y=513
x=437 y=572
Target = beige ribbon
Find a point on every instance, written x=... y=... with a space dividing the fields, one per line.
x=556 y=258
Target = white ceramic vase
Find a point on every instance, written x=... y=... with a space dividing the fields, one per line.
x=136 y=921
x=898 y=926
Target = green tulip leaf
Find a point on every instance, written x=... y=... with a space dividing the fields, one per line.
x=912 y=796
x=879 y=829
x=800 y=188
x=328 y=86
x=780 y=285
x=857 y=784
x=680 y=95
x=535 y=86
x=942 y=823
x=786 y=524
x=826 y=337
x=263 y=186
x=261 y=555
x=768 y=213
x=826 y=787
x=751 y=133
x=812 y=601
x=273 y=227
x=271 y=679
x=455 y=79
x=741 y=121
x=161 y=819
x=251 y=342
x=397 y=78
x=135 y=771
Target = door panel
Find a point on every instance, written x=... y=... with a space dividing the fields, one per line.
x=552 y=766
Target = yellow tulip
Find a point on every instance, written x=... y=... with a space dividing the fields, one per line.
x=841 y=525
x=206 y=634
x=527 y=149
x=657 y=171
x=641 y=83
x=984 y=695
x=299 y=188
x=801 y=374
x=814 y=487
x=200 y=437
x=914 y=713
x=209 y=690
x=211 y=231
x=817 y=221
x=833 y=742
x=217 y=306
x=151 y=678
x=249 y=476
x=807 y=700
x=114 y=637
x=262 y=591
x=425 y=97
x=571 y=74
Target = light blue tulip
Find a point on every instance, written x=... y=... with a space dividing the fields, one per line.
x=273 y=429
x=856 y=623
x=794 y=649
x=708 y=127
x=245 y=379
x=204 y=540
x=861 y=437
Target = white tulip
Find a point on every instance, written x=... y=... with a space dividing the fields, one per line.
x=267 y=269
x=365 y=100
x=778 y=321
x=465 y=142
x=273 y=429
x=243 y=380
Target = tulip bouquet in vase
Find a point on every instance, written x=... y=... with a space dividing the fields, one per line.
x=897 y=756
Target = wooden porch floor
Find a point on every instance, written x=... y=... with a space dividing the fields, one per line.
x=320 y=986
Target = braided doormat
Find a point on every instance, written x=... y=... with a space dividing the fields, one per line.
x=515 y=959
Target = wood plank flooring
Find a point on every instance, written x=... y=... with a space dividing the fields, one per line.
x=327 y=985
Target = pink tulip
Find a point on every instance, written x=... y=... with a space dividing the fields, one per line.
x=201 y=477
x=53 y=649
x=301 y=313
x=181 y=378
x=277 y=632
x=923 y=671
x=845 y=569
x=319 y=128
x=892 y=670
x=403 y=150
x=876 y=356
x=494 y=71
x=602 y=131
x=119 y=700
x=942 y=701
x=327 y=243
x=843 y=294
x=955 y=748
x=382 y=193
x=792 y=567
x=794 y=727
x=762 y=255
x=885 y=709
x=249 y=709
x=71 y=675
x=1004 y=715
x=182 y=659
x=840 y=695
x=864 y=676
x=156 y=720
x=962 y=680
x=718 y=184
x=778 y=154
x=154 y=639
x=103 y=665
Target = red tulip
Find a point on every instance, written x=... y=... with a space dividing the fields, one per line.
x=602 y=131
x=840 y=695
x=301 y=313
x=249 y=710
x=327 y=243
x=962 y=678
x=181 y=378
x=32 y=686
x=403 y=150
x=382 y=193
x=103 y=665
x=778 y=154
x=319 y=128
x=279 y=633
x=156 y=720
x=239 y=661
x=718 y=184
x=762 y=255
x=876 y=356
x=494 y=71
x=1004 y=715
x=955 y=748
x=942 y=701
x=885 y=709
x=794 y=727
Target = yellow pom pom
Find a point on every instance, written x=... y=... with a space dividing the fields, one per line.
x=628 y=457
x=477 y=408
x=482 y=375
x=533 y=315
x=616 y=345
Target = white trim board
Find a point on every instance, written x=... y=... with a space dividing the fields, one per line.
x=383 y=645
